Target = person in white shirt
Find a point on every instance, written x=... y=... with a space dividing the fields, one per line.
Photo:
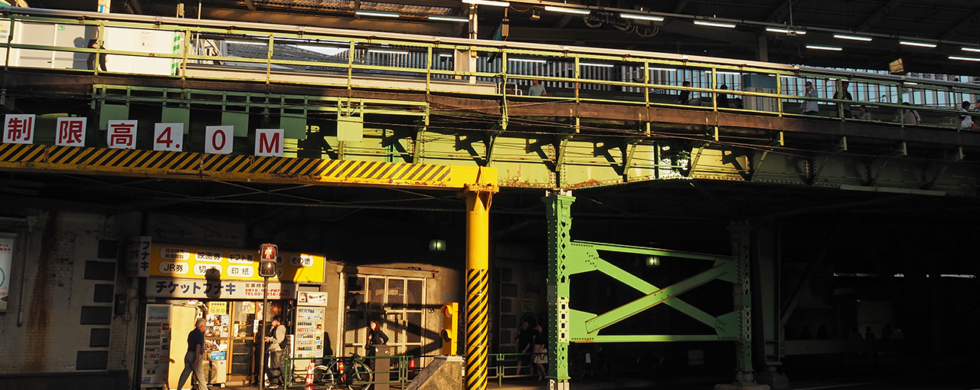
x=966 y=121
x=810 y=106
x=908 y=115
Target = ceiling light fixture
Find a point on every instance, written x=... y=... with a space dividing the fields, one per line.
x=642 y=17
x=789 y=31
x=664 y=69
x=449 y=18
x=488 y=2
x=830 y=48
x=973 y=49
x=596 y=64
x=568 y=10
x=387 y=51
x=713 y=24
x=919 y=44
x=378 y=14
x=852 y=37
x=528 y=60
x=963 y=58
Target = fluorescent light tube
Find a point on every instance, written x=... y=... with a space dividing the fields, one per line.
x=387 y=51
x=852 y=37
x=973 y=49
x=664 y=69
x=785 y=31
x=731 y=73
x=596 y=64
x=714 y=24
x=488 y=2
x=568 y=10
x=379 y=14
x=831 y=48
x=528 y=60
x=449 y=18
x=919 y=44
x=963 y=58
x=642 y=17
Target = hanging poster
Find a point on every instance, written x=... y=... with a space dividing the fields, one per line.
x=156 y=346
x=6 y=254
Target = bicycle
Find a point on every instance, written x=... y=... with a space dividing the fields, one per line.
x=351 y=373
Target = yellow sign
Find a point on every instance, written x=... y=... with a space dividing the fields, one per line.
x=217 y=308
x=192 y=262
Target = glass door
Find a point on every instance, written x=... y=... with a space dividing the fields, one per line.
x=244 y=354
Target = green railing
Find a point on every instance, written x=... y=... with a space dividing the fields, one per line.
x=421 y=74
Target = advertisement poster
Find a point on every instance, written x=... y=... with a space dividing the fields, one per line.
x=309 y=332
x=156 y=346
x=6 y=255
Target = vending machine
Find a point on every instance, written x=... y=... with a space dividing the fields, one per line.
x=309 y=339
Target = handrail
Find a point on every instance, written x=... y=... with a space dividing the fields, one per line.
x=428 y=45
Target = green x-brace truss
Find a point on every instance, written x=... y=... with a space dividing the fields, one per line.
x=567 y=258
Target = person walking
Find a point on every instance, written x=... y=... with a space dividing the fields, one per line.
x=193 y=360
x=276 y=342
x=94 y=44
x=846 y=107
x=810 y=107
x=540 y=351
x=524 y=339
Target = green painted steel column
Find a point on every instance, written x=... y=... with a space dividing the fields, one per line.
x=741 y=239
x=559 y=221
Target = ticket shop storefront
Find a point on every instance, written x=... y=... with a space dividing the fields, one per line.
x=222 y=286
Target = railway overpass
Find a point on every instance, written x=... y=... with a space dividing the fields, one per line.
x=424 y=114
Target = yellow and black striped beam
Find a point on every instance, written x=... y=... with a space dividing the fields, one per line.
x=200 y=166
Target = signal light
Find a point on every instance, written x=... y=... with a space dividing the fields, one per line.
x=268 y=254
x=450 y=325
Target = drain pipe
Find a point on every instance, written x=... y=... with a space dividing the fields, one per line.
x=31 y=220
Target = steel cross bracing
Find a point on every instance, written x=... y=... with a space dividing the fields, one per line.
x=567 y=257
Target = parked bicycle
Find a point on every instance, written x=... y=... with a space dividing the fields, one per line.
x=351 y=373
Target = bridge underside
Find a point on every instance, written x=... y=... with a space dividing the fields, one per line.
x=539 y=144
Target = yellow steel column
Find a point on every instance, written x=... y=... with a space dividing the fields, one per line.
x=478 y=199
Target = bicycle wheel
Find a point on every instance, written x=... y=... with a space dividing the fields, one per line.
x=361 y=376
x=329 y=376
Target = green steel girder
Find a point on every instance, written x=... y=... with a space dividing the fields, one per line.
x=567 y=258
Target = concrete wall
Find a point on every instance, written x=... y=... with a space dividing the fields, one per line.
x=66 y=273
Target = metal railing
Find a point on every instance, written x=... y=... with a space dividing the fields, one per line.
x=569 y=73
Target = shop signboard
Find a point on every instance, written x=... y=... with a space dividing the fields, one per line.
x=138 y=256
x=162 y=287
x=205 y=263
